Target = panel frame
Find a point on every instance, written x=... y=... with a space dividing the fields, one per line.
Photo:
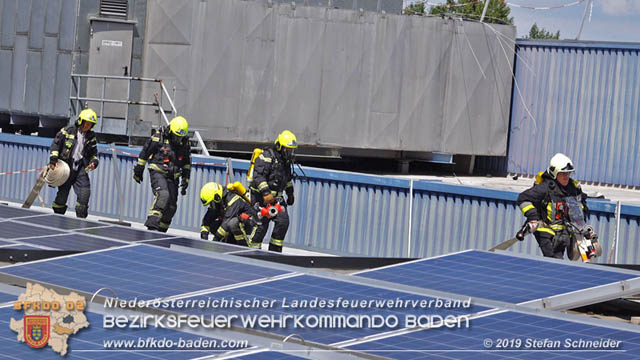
x=563 y=301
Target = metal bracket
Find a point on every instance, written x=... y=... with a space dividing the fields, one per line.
x=546 y=303
x=625 y=285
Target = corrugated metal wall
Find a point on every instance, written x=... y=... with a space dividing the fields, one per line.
x=335 y=211
x=336 y=78
x=35 y=58
x=585 y=102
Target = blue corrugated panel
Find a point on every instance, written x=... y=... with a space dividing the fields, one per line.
x=339 y=212
x=585 y=102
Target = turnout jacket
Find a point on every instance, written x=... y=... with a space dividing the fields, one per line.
x=166 y=156
x=232 y=205
x=272 y=174
x=547 y=201
x=65 y=142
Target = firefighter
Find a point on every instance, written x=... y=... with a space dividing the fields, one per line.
x=77 y=146
x=169 y=155
x=272 y=178
x=544 y=205
x=229 y=214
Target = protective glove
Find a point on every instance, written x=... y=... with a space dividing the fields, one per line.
x=532 y=226
x=248 y=220
x=138 y=172
x=92 y=165
x=269 y=198
x=204 y=235
x=290 y=199
x=184 y=185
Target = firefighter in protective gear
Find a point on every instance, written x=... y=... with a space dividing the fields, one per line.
x=169 y=156
x=77 y=146
x=544 y=205
x=272 y=178
x=229 y=216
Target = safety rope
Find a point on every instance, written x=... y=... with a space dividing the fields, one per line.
x=102 y=152
x=20 y=171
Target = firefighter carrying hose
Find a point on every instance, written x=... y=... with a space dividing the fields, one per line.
x=544 y=206
x=77 y=146
x=272 y=178
x=169 y=157
x=228 y=213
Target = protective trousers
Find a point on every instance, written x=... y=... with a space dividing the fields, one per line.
x=554 y=246
x=240 y=234
x=165 y=202
x=279 y=229
x=79 y=179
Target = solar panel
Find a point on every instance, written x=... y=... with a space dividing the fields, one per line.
x=496 y=276
x=348 y=298
x=72 y=242
x=141 y=271
x=269 y=355
x=510 y=335
x=88 y=343
x=7 y=298
x=124 y=233
x=23 y=247
x=61 y=222
x=7 y=212
x=14 y=230
x=214 y=246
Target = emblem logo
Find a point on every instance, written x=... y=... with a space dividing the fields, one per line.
x=36 y=330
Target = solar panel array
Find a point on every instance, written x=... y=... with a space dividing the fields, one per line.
x=31 y=229
x=498 y=277
x=138 y=264
x=510 y=335
x=143 y=272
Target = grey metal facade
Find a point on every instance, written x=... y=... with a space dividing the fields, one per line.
x=35 y=58
x=389 y=6
x=585 y=101
x=41 y=43
x=339 y=212
x=244 y=70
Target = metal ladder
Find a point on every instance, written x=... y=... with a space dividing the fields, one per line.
x=78 y=103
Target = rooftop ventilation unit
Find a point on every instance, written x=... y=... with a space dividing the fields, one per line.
x=115 y=8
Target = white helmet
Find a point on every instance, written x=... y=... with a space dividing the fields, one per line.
x=560 y=163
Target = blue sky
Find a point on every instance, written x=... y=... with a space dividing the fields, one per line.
x=611 y=20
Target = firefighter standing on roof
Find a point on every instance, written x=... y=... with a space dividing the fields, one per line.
x=169 y=157
x=272 y=178
x=229 y=214
x=77 y=146
x=544 y=204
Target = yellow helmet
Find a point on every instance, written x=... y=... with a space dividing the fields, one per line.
x=89 y=116
x=286 y=139
x=179 y=126
x=211 y=192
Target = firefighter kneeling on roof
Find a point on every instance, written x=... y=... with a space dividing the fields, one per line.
x=77 y=146
x=272 y=176
x=229 y=215
x=169 y=156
